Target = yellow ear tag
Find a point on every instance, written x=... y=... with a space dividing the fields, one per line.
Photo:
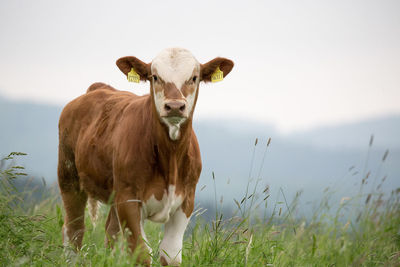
x=133 y=77
x=217 y=76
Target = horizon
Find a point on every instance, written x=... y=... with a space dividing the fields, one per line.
x=230 y=119
x=32 y=128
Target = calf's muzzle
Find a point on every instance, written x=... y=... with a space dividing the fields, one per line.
x=175 y=108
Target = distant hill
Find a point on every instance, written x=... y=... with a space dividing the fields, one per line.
x=31 y=128
x=355 y=135
x=308 y=161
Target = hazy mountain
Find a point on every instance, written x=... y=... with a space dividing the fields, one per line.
x=355 y=135
x=308 y=161
x=31 y=128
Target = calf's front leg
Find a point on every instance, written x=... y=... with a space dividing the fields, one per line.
x=171 y=245
x=129 y=216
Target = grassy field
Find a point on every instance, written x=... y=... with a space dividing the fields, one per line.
x=364 y=230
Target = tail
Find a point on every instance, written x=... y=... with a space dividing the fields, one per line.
x=93 y=210
x=96 y=86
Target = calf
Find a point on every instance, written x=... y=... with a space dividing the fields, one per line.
x=138 y=153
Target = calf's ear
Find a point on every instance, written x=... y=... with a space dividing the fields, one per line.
x=125 y=64
x=209 y=68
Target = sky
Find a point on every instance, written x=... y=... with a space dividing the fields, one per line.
x=298 y=64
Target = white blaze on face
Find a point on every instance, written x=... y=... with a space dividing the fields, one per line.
x=159 y=100
x=176 y=66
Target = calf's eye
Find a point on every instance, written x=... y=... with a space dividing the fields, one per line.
x=155 y=78
x=194 y=78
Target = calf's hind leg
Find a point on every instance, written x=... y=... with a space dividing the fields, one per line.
x=112 y=227
x=74 y=220
x=74 y=201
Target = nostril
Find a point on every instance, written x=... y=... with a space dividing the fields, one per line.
x=167 y=107
x=182 y=108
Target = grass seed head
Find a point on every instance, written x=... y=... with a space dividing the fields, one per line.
x=385 y=155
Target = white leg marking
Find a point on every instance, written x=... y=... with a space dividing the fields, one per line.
x=93 y=206
x=171 y=245
x=69 y=252
x=65 y=236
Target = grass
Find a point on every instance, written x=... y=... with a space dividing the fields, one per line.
x=363 y=231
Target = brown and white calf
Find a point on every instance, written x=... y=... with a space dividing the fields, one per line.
x=138 y=152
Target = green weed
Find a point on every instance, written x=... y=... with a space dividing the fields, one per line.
x=364 y=231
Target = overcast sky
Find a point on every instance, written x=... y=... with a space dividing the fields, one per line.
x=298 y=64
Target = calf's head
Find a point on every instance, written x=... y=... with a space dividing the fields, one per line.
x=174 y=77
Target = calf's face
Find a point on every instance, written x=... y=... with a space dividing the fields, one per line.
x=174 y=86
x=174 y=77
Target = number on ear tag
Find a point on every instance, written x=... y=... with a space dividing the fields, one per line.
x=217 y=76
x=133 y=77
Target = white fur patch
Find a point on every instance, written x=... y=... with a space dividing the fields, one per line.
x=160 y=210
x=93 y=206
x=69 y=164
x=190 y=99
x=173 y=129
x=171 y=245
x=175 y=65
x=159 y=100
x=65 y=236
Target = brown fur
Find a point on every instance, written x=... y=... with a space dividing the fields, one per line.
x=208 y=68
x=112 y=142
